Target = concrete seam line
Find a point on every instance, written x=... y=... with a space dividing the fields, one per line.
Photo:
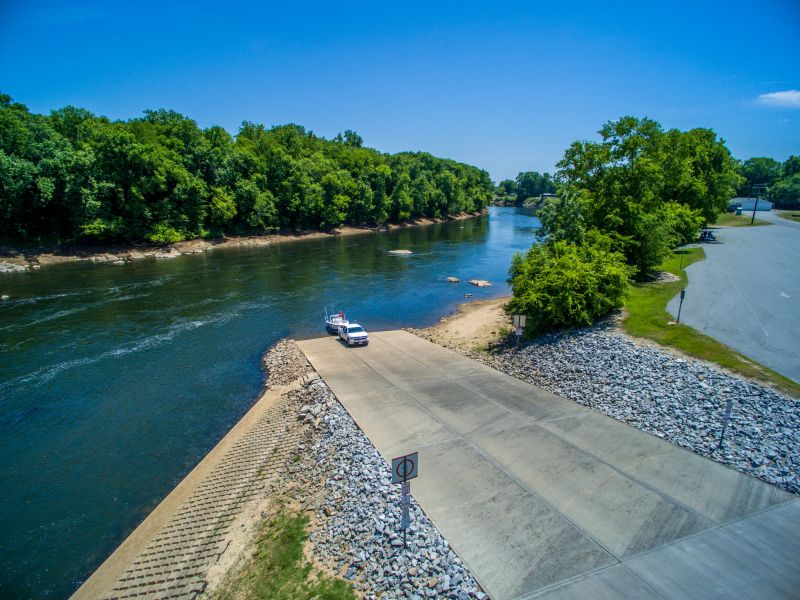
x=502 y=469
x=582 y=576
x=578 y=448
x=715 y=528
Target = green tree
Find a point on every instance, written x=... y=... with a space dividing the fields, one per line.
x=401 y=201
x=507 y=187
x=222 y=207
x=699 y=171
x=533 y=183
x=380 y=187
x=791 y=166
x=562 y=219
x=73 y=175
x=627 y=179
x=759 y=170
x=786 y=192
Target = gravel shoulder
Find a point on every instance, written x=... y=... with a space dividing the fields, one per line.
x=338 y=480
x=655 y=390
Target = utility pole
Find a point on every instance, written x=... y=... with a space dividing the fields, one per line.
x=759 y=188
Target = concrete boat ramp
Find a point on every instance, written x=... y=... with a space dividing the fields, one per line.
x=543 y=498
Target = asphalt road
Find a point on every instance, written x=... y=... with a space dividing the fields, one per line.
x=542 y=497
x=746 y=293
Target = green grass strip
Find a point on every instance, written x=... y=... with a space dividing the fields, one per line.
x=277 y=569
x=791 y=215
x=731 y=220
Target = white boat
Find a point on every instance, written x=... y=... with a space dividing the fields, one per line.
x=334 y=321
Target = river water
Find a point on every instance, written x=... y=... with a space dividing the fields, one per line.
x=115 y=381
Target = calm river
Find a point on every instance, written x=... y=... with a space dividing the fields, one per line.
x=115 y=381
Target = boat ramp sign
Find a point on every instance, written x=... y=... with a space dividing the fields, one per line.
x=405 y=467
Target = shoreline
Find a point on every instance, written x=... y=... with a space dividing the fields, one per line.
x=476 y=325
x=16 y=261
x=308 y=459
x=330 y=473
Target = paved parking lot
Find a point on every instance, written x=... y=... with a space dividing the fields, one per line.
x=746 y=293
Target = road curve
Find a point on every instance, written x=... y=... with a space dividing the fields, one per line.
x=746 y=293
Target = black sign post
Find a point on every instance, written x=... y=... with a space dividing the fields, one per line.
x=680 y=306
x=404 y=469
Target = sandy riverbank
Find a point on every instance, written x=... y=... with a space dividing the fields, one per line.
x=14 y=260
x=476 y=326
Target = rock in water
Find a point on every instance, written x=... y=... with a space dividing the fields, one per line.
x=453 y=279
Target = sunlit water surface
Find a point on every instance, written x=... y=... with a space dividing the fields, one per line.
x=116 y=380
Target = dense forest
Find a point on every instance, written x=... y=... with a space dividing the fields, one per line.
x=769 y=178
x=74 y=176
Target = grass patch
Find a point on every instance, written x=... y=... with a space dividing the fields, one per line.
x=278 y=570
x=647 y=317
x=791 y=215
x=732 y=220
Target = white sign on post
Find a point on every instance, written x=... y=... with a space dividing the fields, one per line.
x=405 y=468
x=519 y=326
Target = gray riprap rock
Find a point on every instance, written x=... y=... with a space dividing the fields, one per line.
x=358 y=534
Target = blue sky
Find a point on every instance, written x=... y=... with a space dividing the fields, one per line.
x=505 y=86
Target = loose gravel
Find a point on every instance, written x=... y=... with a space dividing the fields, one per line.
x=358 y=534
x=284 y=363
x=680 y=400
x=339 y=476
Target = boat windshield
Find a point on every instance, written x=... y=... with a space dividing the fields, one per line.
x=356 y=330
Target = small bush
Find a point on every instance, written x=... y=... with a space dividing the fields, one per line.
x=559 y=284
x=164 y=234
x=102 y=230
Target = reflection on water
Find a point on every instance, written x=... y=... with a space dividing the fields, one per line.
x=115 y=381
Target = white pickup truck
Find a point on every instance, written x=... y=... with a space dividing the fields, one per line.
x=354 y=334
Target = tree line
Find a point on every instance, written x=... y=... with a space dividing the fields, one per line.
x=75 y=176
x=528 y=184
x=623 y=204
x=780 y=182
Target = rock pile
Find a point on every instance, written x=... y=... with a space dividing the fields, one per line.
x=358 y=533
x=8 y=267
x=680 y=400
x=284 y=363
